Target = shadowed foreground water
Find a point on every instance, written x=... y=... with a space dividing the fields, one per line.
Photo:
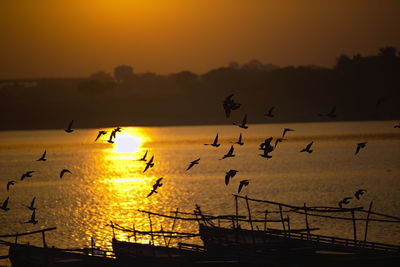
x=107 y=181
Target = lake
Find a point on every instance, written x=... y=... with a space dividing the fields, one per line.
x=107 y=182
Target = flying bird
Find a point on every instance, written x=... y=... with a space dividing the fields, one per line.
x=144 y=156
x=285 y=131
x=229 y=154
x=43 y=157
x=31 y=206
x=192 y=163
x=155 y=186
x=149 y=164
x=331 y=114
x=359 y=146
x=307 y=149
x=229 y=175
x=27 y=174
x=344 y=201
x=269 y=113
x=239 y=142
x=69 y=129
x=215 y=143
x=242 y=183
x=110 y=139
x=4 y=206
x=100 y=134
x=114 y=132
x=243 y=124
x=229 y=104
x=32 y=220
x=63 y=172
x=10 y=183
x=359 y=192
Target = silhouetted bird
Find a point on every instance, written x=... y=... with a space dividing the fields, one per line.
x=215 y=143
x=63 y=172
x=149 y=164
x=32 y=220
x=229 y=104
x=4 y=206
x=269 y=113
x=243 y=124
x=278 y=140
x=286 y=130
x=307 y=149
x=397 y=126
x=331 y=114
x=69 y=129
x=10 y=183
x=229 y=175
x=359 y=192
x=114 y=132
x=43 y=157
x=100 y=134
x=27 y=174
x=359 y=146
x=192 y=163
x=239 y=142
x=229 y=154
x=155 y=186
x=31 y=206
x=242 y=183
x=344 y=201
x=144 y=156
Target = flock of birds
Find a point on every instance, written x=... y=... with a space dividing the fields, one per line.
x=29 y=174
x=229 y=105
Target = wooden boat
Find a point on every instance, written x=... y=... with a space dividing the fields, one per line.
x=26 y=255
x=153 y=255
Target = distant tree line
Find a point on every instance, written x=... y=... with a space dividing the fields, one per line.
x=362 y=88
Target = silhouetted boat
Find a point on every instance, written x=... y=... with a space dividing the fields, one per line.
x=26 y=255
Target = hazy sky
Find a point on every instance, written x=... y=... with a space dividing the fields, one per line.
x=71 y=38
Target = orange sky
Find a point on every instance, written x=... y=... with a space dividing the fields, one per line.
x=74 y=38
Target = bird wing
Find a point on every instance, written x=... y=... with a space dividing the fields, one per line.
x=357 y=149
x=216 y=139
x=240 y=187
x=230 y=152
x=159 y=180
x=33 y=215
x=270 y=110
x=70 y=125
x=151 y=160
x=284 y=132
x=240 y=138
x=33 y=202
x=227 y=178
x=147 y=166
x=98 y=136
x=309 y=145
x=44 y=154
x=190 y=165
x=5 y=203
x=244 y=119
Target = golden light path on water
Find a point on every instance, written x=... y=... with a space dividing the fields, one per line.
x=108 y=182
x=127 y=185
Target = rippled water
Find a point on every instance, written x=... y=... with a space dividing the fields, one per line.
x=107 y=182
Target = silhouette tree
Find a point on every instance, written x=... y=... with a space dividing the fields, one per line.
x=123 y=73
